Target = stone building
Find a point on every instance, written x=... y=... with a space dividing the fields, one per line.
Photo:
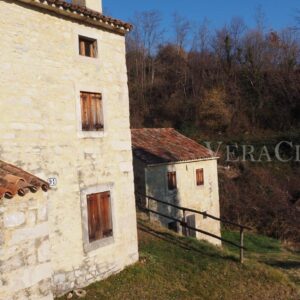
x=65 y=119
x=173 y=168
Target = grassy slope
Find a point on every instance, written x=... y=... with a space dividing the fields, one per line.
x=270 y=252
x=173 y=267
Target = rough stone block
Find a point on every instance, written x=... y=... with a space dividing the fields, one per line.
x=31 y=217
x=43 y=213
x=25 y=234
x=14 y=219
x=59 y=278
x=2 y=209
x=44 y=251
x=31 y=259
x=44 y=287
x=14 y=262
x=27 y=277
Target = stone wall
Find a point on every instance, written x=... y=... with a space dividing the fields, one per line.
x=42 y=75
x=188 y=194
x=25 y=265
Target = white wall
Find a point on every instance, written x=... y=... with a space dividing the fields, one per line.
x=188 y=194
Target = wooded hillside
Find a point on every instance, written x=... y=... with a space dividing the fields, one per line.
x=235 y=79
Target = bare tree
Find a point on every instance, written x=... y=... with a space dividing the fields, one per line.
x=202 y=36
x=237 y=29
x=260 y=19
x=182 y=28
x=142 y=44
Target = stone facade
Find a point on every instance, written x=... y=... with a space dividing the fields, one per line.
x=25 y=260
x=153 y=180
x=42 y=75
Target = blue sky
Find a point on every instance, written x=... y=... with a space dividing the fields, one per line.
x=279 y=13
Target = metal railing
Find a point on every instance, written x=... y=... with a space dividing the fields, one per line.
x=184 y=224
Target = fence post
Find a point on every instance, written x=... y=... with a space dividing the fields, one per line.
x=184 y=229
x=242 y=245
x=148 y=207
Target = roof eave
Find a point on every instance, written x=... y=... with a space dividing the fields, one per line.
x=181 y=161
x=59 y=10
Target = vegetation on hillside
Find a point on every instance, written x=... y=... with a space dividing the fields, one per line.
x=262 y=196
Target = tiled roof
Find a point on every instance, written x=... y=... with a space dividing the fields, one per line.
x=81 y=13
x=164 y=145
x=14 y=180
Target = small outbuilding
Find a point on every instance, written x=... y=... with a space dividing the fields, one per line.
x=171 y=167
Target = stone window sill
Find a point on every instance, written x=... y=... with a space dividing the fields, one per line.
x=91 y=134
x=99 y=244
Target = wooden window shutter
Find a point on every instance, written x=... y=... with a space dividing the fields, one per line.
x=92 y=50
x=94 y=224
x=99 y=216
x=84 y=111
x=106 y=214
x=199 y=176
x=91 y=111
x=98 y=112
x=81 y=47
x=172 y=184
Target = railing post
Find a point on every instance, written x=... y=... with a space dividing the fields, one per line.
x=242 y=245
x=184 y=229
x=148 y=206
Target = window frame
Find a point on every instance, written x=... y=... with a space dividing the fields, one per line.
x=86 y=60
x=196 y=177
x=90 y=88
x=172 y=172
x=93 y=42
x=103 y=242
x=100 y=114
x=96 y=198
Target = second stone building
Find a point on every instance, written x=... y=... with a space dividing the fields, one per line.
x=170 y=167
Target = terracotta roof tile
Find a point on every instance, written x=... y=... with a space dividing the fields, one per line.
x=164 y=145
x=81 y=13
x=14 y=180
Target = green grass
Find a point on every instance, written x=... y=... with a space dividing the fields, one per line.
x=253 y=242
x=174 y=267
x=268 y=251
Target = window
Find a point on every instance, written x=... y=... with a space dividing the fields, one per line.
x=173 y=226
x=199 y=177
x=172 y=185
x=87 y=47
x=91 y=111
x=99 y=216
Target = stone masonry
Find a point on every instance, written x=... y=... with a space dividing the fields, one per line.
x=42 y=75
x=25 y=260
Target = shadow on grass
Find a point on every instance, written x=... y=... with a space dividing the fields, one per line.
x=288 y=264
x=187 y=244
